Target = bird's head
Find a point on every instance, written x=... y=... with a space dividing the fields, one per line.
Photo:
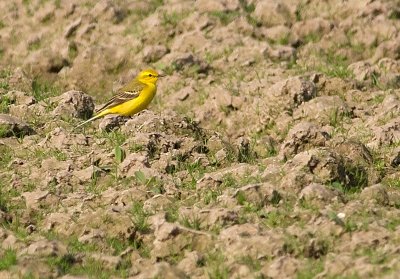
x=148 y=76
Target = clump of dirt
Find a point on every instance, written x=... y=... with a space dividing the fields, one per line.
x=271 y=149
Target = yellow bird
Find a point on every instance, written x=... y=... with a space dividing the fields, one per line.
x=132 y=98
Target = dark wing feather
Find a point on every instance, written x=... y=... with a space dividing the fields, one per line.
x=126 y=93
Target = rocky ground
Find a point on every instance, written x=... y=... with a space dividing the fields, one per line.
x=271 y=149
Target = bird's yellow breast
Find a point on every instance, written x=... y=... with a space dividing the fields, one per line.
x=136 y=105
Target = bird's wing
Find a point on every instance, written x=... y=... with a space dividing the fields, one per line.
x=128 y=92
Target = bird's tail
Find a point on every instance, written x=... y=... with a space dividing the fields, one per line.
x=87 y=121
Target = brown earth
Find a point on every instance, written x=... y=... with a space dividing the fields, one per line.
x=270 y=151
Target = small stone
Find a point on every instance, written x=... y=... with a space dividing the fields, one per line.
x=20 y=98
x=319 y=192
x=341 y=215
x=184 y=93
x=301 y=137
x=154 y=53
x=110 y=262
x=87 y=174
x=271 y=13
x=395 y=159
x=387 y=134
x=9 y=242
x=12 y=126
x=375 y=193
x=70 y=29
x=45 y=247
x=280 y=53
x=32 y=199
x=111 y=121
x=74 y=103
x=322 y=109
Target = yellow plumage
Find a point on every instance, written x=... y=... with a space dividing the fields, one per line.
x=132 y=98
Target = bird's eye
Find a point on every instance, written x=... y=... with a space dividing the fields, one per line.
x=150 y=75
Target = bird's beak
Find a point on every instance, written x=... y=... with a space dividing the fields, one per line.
x=161 y=75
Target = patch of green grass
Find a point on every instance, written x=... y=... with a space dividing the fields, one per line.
x=246 y=154
x=393 y=183
x=17 y=227
x=63 y=264
x=28 y=275
x=114 y=138
x=308 y=205
x=299 y=11
x=276 y=218
x=283 y=39
x=43 y=153
x=210 y=57
x=336 y=66
x=312 y=37
x=241 y=198
x=310 y=269
x=394 y=14
x=117 y=244
x=57 y=4
x=35 y=45
x=7 y=154
x=328 y=63
x=95 y=269
x=69 y=263
x=135 y=148
x=4 y=85
x=392 y=224
x=349 y=190
x=254 y=264
x=139 y=217
x=225 y=17
x=336 y=118
x=4 y=200
x=229 y=181
x=173 y=19
x=375 y=255
x=193 y=222
x=93 y=186
x=211 y=195
x=357 y=178
x=59 y=155
x=247 y=7
x=7 y=195
x=171 y=214
x=42 y=89
x=194 y=170
x=8 y=259
x=75 y=246
x=150 y=7
x=271 y=151
x=350 y=225
x=72 y=51
x=134 y=29
x=215 y=263
x=154 y=184
x=5 y=103
x=293 y=245
x=5 y=73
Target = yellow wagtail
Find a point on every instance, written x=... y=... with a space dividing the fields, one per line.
x=132 y=98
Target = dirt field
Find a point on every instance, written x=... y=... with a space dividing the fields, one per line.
x=271 y=150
